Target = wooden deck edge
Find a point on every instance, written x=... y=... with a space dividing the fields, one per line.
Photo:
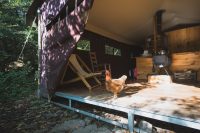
x=181 y=121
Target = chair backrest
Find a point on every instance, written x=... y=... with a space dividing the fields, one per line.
x=93 y=60
x=76 y=64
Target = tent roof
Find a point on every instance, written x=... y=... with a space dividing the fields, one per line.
x=131 y=21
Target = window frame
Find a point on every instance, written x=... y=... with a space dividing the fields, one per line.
x=86 y=42
x=110 y=50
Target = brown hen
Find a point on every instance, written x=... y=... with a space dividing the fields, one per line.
x=114 y=85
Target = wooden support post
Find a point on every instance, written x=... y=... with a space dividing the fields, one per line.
x=155 y=34
x=39 y=51
x=67 y=12
x=76 y=5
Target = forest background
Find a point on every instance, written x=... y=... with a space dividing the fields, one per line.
x=18 y=51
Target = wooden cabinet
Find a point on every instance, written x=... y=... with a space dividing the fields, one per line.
x=181 y=62
x=184 y=40
x=185 y=61
x=144 y=66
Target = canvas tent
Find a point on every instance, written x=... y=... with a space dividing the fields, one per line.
x=130 y=21
x=61 y=23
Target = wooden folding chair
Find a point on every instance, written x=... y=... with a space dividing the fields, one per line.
x=78 y=66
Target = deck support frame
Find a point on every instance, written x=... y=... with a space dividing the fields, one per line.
x=130 y=113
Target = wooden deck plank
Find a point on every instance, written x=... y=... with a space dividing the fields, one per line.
x=177 y=100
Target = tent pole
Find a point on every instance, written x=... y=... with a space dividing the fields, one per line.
x=155 y=34
x=39 y=51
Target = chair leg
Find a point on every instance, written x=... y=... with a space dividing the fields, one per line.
x=95 y=78
x=86 y=83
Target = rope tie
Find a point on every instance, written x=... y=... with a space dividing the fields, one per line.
x=27 y=38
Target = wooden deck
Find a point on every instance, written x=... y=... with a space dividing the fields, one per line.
x=173 y=103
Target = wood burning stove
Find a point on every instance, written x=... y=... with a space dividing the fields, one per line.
x=160 y=58
x=161 y=61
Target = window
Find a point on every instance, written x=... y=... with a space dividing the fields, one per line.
x=83 y=45
x=108 y=50
x=117 y=52
x=112 y=51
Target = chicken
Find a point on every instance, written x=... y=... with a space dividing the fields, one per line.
x=114 y=85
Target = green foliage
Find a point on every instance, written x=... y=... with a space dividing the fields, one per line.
x=83 y=45
x=17 y=83
x=3 y=56
x=13 y=33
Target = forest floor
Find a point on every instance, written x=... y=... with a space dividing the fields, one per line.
x=33 y=115
x=21 y=111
